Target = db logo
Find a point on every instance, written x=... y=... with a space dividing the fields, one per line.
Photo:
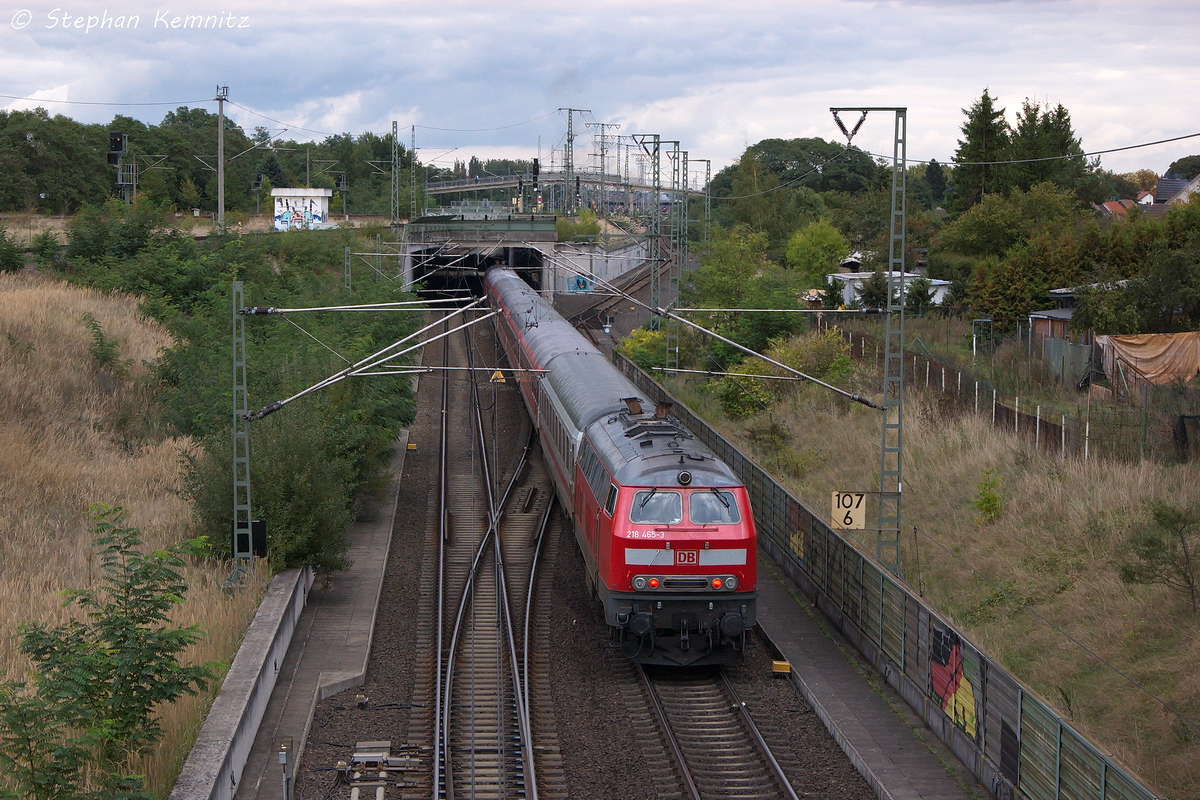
x=687 y=558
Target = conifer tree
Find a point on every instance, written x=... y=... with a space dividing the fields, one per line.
x=986 y=139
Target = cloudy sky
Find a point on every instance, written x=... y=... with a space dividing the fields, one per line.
x=715 y=76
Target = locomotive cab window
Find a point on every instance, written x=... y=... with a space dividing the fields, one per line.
x=611 y=502
x=656 y=508
x=713 y=507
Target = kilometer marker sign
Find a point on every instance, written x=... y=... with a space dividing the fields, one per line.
x=849 y=510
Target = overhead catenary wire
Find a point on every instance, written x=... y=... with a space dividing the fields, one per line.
x=1046 y=158
x=374 y=360
x=104 y=103
x=662 y=312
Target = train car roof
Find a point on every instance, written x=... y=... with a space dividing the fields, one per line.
x=646 y=448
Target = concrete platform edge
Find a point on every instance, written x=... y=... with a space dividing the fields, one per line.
x=215 y=763
x=877 y=785
x=330 y=683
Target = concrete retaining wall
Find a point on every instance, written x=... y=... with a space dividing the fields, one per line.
x=215 y=763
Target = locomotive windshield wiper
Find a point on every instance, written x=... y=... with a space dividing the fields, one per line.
x=720 y=497
x=646 y=499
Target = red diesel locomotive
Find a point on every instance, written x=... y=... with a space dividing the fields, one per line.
x=664 y=527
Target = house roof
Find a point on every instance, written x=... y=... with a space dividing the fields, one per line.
x=1053 y=313
x=1167 y=188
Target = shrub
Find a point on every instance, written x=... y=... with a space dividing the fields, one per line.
x=988 y=502
x=12 y=255
x=1167 y=553
x=646 y=348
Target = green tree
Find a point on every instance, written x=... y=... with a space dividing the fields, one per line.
x=873 y=292
x=97 y=682
x=814 y=251
x=1167 y=554
x=918 y=295
x=12 y=255
x=935 y=176
x=986 y=137
x=1046 y=133
x=1187 y=167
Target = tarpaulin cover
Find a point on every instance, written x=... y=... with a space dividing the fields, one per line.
x=1158 y=357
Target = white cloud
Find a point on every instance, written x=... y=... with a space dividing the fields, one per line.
x=717 y=76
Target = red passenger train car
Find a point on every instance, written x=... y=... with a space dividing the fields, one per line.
x=665 y=527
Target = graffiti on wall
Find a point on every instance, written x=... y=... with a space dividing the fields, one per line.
x=952 y=676
x=298 y=213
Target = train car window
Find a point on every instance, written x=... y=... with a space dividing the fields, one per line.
x=593 y=470
x=713 y=507
x=656 y=508
x=611 y=502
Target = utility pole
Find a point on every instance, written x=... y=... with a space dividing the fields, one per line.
x=395 y=220
x=891 y=445
x=569 y=160
x=412 y=177
x=604 y=158
x=222 y=96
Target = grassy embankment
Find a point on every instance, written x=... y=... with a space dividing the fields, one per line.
x=1055 y=547
x=78 y=429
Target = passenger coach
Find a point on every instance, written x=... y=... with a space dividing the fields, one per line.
x=664 y=527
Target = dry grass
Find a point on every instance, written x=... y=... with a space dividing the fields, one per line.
x=75 y=433
x=1055 y=547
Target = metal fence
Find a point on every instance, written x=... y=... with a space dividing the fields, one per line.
x=1160 y=423
x=1009 y=738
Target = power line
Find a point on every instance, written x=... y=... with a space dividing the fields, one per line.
x=483 y=130
x=1048 y=158
x=281 y=122
x=816 y=168
x=99 y=103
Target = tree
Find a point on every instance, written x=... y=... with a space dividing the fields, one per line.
x=985 y=140
x=1168 y=553
x=1187 y=167
x=935 y=176
x=1046 y=133
x=873 y=292
x=918 y=295
x=97 y=682
x=814 y=251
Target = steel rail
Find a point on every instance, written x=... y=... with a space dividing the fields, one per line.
x=537 y=551
x=495 y=511
x=763 y=747
x=443 y=531
x=466 y=596
x=669 y=733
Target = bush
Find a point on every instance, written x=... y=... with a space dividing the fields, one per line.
x=646 y=348
x=742 y=397
x=12 y=255
x=1167 y=553
x=46 y=249
x=91 y=707
x=988 y=502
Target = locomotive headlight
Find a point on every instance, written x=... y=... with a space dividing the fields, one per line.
x=653 y=583
x=639 y=582
x=717 y=583
x=731 y=583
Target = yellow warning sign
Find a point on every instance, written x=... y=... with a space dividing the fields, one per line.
x=498 y=377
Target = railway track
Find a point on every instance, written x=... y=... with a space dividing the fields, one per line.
x=479 y=640
x=717 y=749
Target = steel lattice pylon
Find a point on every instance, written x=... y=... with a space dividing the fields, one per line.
x=395 y=220
x=891 y=445
x=243 y=553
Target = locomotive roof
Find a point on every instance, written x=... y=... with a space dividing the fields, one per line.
x=639 y=448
